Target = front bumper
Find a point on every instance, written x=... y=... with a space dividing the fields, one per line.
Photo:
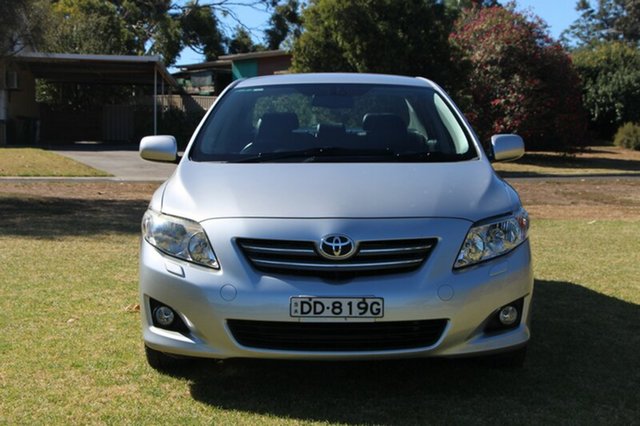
x=206 y=299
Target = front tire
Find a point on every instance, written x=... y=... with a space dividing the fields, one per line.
x=513 y=359
x=162 y=362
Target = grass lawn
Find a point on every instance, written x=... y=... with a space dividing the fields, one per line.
x=38 y=162
x=595 y=161
x=71 y=347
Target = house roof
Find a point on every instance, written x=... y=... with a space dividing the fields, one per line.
x=255 y=55
x=223 y=65
x=105 y=69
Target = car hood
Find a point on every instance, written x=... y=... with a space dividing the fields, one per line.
x=466 y=190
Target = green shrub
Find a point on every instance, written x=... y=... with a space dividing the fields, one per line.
x=610 y=74
x=628 y=136
x=172 y=121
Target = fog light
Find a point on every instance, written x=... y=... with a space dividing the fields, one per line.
x=163 y=315
x=508 y=315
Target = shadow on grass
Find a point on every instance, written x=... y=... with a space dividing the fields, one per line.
x=40 y=217
x=96 y=146
x=619 y=167
x=617 y=164
x=582 y=367
x=529 y=174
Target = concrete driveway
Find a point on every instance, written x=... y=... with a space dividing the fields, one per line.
x=123 y=163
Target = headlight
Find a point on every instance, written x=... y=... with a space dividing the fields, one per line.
x=178 y=237
x=493 y=239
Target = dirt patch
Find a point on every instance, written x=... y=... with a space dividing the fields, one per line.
x=571 y=199
x=81 y=190
x=582 y=199
x=53 y=210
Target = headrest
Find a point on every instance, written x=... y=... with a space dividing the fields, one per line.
x=378 y=122
x=330 y=130
x=277 y=123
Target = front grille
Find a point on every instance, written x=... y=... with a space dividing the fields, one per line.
x=332 y=336
x=303 y=258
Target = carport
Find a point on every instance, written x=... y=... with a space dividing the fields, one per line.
x=113 y=70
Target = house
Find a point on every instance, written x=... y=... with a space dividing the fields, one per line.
x=25 y=121
x=210 y=78
x=17 y=102
x=205 y=78
x=268 y=62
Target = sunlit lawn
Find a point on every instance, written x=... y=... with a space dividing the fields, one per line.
x=38 y=162
x=71 y=351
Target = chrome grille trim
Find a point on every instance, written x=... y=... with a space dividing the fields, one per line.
x=258 y=249
x=396 y=250
x=303 y=257
x=340 y=266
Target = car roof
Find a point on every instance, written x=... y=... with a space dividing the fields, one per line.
x=327 y=78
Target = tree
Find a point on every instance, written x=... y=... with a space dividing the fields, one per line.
x=611 y=20
x=88 y=26
x=464 y=4
x=518 y=79
x=134 y=27
x=610 y=74
x=285 y=22
x=241 y=42
x=22 y=23
x=629 y=22
x=200 y=30
x=381 y=36
x=151 y=27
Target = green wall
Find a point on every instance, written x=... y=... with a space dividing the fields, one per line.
x=245 y=68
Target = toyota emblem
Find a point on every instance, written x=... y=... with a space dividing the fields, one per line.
x=337 y=247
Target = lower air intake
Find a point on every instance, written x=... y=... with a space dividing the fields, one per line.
x=330 y=337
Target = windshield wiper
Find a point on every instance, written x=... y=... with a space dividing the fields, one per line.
x=428 y=157
x=312 y=154
x=333 y=153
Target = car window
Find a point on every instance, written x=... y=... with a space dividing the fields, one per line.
x=458 y=137
x=332 y=122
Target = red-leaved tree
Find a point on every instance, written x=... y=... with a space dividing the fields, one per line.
x=518 y=79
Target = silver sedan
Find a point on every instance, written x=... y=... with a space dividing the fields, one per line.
x=334 y=217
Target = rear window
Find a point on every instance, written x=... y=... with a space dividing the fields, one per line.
x=332 y=122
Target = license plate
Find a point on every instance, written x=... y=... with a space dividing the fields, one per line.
x=336 y=307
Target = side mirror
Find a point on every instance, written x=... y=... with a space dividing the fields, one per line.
x=507 y=147
x=162 y=148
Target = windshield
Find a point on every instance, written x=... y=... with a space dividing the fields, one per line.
x=332 y=122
